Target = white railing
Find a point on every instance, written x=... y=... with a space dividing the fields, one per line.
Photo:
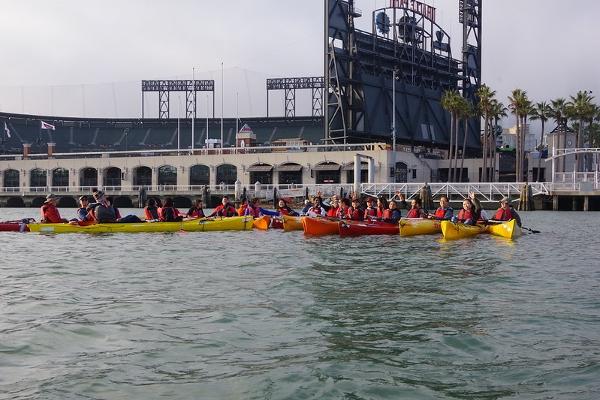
x=486 y=192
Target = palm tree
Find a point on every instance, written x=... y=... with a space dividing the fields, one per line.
x=465 y=112
x=581 y=109
x=520 y=106
x=450 y=102
x=486 y=96
x=558 y=112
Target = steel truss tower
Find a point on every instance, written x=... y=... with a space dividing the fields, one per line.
x=190 y=87
x=290 y=85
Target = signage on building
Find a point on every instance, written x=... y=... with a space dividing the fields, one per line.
x=416 y=6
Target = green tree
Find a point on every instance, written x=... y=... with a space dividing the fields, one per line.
x=486 y=97
x=497 y=112
x=582 y=109
x=520 y=106
x=451 y=103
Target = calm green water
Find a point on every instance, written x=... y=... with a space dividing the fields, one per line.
x=270 y=315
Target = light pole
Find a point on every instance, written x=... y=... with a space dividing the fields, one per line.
x=207 y=137
x=222 y=103
x=394 y=123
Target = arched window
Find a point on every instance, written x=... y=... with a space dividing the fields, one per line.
x=290 y=174
x=327 y=172
x=262 y=173
x=167 y=175
x=112 y=178
x=37 y=178
x=142 y=176
x=88 y=177
x=11 y=178
x=227 y=174
x=401 y=173
x=199 y=175
x=60 y=177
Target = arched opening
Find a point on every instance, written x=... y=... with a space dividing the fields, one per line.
x=11 y=179
x=37 y=178
x=167 y=175
x=15 y=202
x=364 y=172
x=112 y=178
x=60 y=177
x=290 y=174
x=142 y=176
x=327 y=172
x=401 y=173
x=123 y=202
x=262 y=173
x=37 y=202
x=199 y=175
x=67 y=202
x=227 y=174
x=88 y=177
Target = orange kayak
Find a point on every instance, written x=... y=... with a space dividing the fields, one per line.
x=320 y=226
x=292 y=223
x=262 y=223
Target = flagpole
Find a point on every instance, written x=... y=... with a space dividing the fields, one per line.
x=207 y=137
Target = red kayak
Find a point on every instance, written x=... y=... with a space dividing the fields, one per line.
x=14 y=226
x=356 y=228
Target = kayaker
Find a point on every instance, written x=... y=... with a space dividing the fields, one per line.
x=169 y=213
x=392 y=215
x=444 y=211
x=344 y=211
x=506 y=212
x=241 y=211
x=284 y=209
x=478 y=210
x=102 y=210
x=82 y=213
x=49 y=211
x=334 y=208
x=196 y=210
x=252 y=208
x=370 y=211
x=151 y=211
x=356 y=212
x=382 y=206
x=416 y=210
x=316 y=210
x=466 y=215
x=225 y=209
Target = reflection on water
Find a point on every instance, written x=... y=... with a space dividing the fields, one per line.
x=255 y=315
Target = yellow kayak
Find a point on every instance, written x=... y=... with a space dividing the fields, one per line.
x=196 y=225
x=292 y=223
x=419 y=226
x=508 y=229
x=452 y=231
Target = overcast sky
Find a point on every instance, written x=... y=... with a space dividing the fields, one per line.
x=84 y=58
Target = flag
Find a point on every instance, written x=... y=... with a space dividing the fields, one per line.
x=6 y=130
x=45 y=125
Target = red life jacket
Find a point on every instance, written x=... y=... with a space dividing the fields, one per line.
x=440 y=213
x=253 y=211
x=370 y=212
x=464 y=215
x=284 y=211
x=357 y=214
x=316 y=210
x=414 y=213
x=503 y=215
x=195 y=213
x=165 y=212
x=381 y=212
x=333 y=212
x=50 y=214
x=151 y=214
